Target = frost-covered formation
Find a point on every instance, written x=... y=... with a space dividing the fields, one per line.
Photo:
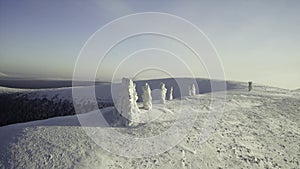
x=126 y=103
x=171 y=93
x=147 y=98
x=192 y=90
x=163 y=93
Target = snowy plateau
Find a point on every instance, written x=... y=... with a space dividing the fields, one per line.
x=257 y=129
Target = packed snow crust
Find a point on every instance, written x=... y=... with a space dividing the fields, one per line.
x=258 y=129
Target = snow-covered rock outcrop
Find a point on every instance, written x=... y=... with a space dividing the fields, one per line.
x=171 y=93
x=147 y=98
x=163 y=93
x=192 y=90
x=126 y=103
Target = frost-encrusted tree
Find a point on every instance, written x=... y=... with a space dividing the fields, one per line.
x=192 y=90
x=147 y=98
x=163 y=93
x=126 y=102
x=171 y=93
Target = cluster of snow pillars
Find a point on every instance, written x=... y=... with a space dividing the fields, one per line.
x=126 y=102
x=147 y=98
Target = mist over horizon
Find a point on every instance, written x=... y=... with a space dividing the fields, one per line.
x=256 y=41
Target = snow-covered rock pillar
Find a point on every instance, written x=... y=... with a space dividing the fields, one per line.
x=163 y=93
x=147 y=98
x=192 y=90
x=171 y=94
x=126 y=102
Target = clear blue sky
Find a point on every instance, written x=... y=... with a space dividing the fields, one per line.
x=256 y=40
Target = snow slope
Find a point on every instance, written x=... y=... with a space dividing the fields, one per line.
x=23 y=105
x=8 y=90
x=258 y=129
x=2 y=74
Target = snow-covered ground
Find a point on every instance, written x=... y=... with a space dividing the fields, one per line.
x=258 y=129
x=8 y=90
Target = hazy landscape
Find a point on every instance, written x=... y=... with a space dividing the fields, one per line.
x=133 y=84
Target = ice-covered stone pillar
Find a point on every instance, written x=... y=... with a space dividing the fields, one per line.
x=126 y=102
x=192 y=90
x=171 y=93
x=147 y=98
x=163 y=93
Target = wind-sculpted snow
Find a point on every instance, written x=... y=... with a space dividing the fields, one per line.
x=258 y=129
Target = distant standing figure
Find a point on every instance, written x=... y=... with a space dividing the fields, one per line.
x=249 y=86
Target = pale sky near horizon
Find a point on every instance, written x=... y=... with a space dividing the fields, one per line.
x=256 y=40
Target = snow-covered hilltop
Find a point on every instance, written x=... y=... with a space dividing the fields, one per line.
x=22 y=105
x=258 y=129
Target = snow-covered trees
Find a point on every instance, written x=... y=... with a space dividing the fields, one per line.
x=171 y=93
x=126 y=102
x=147 y=98
x=163 y=93
x=192 y=90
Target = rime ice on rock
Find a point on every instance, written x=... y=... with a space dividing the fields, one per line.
x=147 y=98
x=163 y=93
x=171 y=93
x=192 y=90
x=126 y=102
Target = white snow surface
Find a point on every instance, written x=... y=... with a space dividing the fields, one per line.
x=258 y=129
x=8 y=90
